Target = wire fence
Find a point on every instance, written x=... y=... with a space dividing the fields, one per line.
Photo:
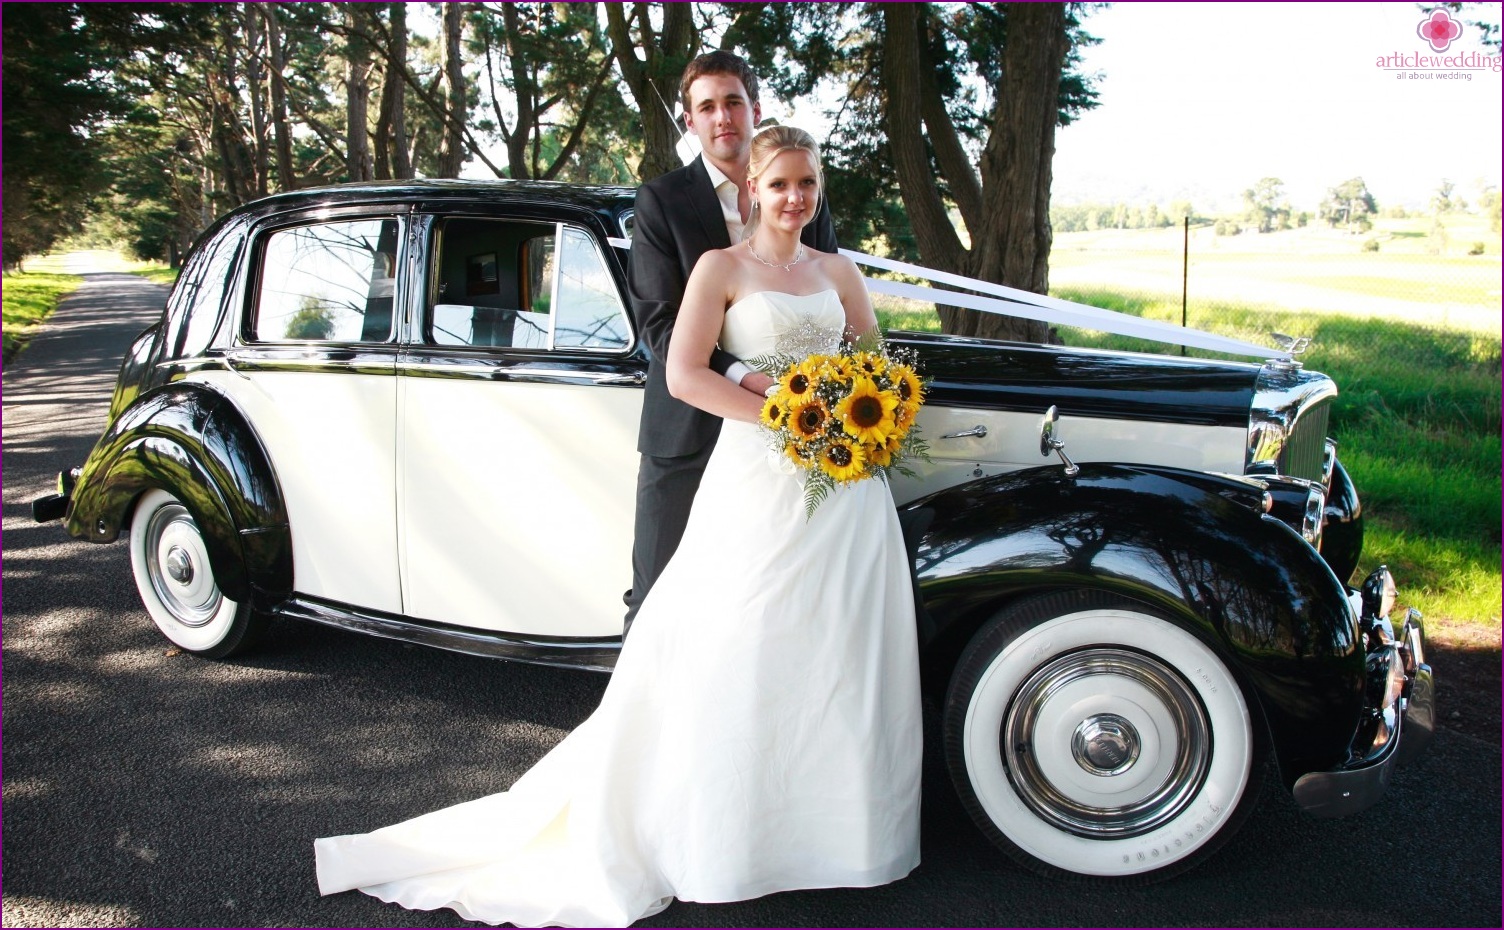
x=1420 y=300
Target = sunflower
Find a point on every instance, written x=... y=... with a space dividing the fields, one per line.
x=867 y=413
x=903 y=417
x=881 y=454
x=798 y=383
x=799 y=454
x=776 y=411
x=808 y=418
x=870 y=364
x=842 y=460
x=836 y=370
x=907 y=384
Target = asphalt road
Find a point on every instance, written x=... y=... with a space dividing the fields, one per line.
x=148 y=789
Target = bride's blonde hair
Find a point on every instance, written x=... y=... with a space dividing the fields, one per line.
x=768 y=145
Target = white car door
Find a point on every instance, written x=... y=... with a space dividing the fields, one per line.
x=517 y=460
x=313 y=368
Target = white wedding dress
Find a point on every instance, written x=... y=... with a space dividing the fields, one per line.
x=761 y=731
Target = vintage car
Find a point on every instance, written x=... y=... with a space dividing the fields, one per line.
x=410 y=409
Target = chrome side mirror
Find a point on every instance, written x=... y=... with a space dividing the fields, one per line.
x=1049 y=442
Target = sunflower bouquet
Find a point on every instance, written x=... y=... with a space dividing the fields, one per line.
x=845 y=416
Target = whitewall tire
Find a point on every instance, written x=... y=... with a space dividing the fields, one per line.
x=1089 y=735
x=177 y=585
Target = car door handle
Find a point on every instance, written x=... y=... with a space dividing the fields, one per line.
x=636 y=377
x=978 y=431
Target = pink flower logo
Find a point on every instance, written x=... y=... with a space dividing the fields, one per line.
x=1439 y=29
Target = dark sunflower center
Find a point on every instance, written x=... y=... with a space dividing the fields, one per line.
x=866 y=412
x=810 y=419
x=903 y=390
x=840 y=456
x=798 y=384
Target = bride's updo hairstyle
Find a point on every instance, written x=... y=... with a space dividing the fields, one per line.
x=768 y=145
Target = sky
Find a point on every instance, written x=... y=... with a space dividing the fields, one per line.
x=1201 y=100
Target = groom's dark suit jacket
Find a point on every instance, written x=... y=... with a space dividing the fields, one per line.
x=679 y=219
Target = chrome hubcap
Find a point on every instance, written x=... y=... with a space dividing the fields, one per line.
x=175 y=551
x=1106 y=743
x=179 y=565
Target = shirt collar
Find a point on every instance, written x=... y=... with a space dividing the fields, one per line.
x=717 y=176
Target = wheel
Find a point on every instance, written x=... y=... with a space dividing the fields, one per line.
x=171 y=566
x=1088 y=735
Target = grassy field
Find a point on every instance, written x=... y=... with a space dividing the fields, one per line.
x=1314 y=268
x=1418 y=416
x=28 y=298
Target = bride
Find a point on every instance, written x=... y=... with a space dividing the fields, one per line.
x=761 y=731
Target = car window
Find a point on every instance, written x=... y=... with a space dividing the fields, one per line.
x=523 y=285
x=329 y=282
x=193 y=310
x=589 y=313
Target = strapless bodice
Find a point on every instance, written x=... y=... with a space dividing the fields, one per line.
x=768 y=322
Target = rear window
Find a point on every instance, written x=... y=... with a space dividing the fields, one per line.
x=197 y=303
x=328 y=282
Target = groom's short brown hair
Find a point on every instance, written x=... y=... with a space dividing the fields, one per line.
x=718 y=62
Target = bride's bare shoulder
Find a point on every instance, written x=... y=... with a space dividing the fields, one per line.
x=715 y=262
x=838 y=266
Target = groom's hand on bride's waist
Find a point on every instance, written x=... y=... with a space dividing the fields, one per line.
x=757 y=382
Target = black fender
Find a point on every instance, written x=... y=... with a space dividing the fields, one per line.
x=1342 y=524
x=1196 y=547
x=136 y=368
x=191 y=441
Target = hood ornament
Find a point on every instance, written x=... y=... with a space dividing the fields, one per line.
x=1291 y=346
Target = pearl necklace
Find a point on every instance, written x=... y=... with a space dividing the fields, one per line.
x=798 y=257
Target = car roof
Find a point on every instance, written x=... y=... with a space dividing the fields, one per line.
x=501 y=190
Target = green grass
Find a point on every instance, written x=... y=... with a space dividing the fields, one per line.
x=28 y=299
x=1418 y=426
x=157 y=274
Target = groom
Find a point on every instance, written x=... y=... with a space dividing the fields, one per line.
x=680 y=216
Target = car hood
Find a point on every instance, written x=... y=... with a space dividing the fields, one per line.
x=970 y=372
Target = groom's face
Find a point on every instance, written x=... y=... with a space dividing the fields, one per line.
x=723 y=118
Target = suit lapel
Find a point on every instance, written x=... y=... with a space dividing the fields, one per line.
x=706 y=205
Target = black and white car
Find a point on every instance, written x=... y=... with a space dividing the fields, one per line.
x=410 y=410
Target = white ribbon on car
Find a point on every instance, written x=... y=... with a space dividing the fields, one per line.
x=1011 y=301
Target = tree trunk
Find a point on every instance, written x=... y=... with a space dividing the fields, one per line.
x=255 y=79
x=281 y=132
x=1013 y=245
x=357 y=97
x=654 y=82
x=452 y=142
x=1006 y=211
x=525 y=96
x=391 y=159
x=228 y=132
x=933 y=231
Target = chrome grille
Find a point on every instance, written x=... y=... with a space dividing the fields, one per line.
x=1288 y=421
x=1306 y=448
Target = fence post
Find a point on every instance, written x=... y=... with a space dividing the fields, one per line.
x=1185 y=274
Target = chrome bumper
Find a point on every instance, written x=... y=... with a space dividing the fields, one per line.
x=1400 y=717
